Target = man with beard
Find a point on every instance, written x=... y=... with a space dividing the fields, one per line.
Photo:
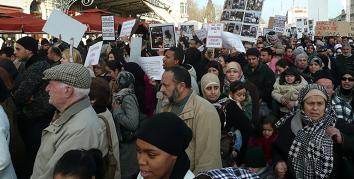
x=33 y=110
x=343 y=62
x=198 y=114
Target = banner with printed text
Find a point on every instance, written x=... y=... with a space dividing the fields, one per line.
x=242 y=17
x=214 y=39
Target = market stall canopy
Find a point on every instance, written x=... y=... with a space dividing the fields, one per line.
x=161 y=12
x=19 y=22
x=124 y=7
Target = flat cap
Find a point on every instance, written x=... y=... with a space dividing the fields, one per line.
x=72 y=74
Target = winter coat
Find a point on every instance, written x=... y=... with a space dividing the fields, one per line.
x=288 y=91
x=203 y=119
x=126 y=119
x=237 y=120
x=6 y=168
x=30 y=96
x=264 y=78
x=114 y=137
x=286 y=136
x=78 y=127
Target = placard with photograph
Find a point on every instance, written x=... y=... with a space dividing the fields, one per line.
x=187 y=29
x=162 y=35
x=279 y=24
x=242 y=17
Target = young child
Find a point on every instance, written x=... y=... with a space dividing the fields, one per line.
x=286 y=89
x=267 y=137
x=236 y=118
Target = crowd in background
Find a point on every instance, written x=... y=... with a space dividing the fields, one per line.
x=281 y=110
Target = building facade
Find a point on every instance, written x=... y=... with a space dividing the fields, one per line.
x=296 y=13
x=350 y=10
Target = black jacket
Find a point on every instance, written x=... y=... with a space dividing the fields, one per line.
x=30 y=97
x=264 y=78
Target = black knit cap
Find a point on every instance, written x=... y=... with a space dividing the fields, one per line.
x=167 y=132
x=323 y=74
x=28 y=43
x=349 y=72
x=252 y=51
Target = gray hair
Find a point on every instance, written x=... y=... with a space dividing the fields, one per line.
x=301 y=55
x=81 y=92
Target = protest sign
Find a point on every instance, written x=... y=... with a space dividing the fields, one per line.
x=152 y=66
x=135 y=48
x=266 y=31
x=162 y=35
x=93 y=54
x=279 y=24
x=60 y=24
x=127 y=28
x=187 y=29
x=230 y=40
x=201 y=34
x=332 y=28
x=242 y=17
x=214 y=35
x=108 y=28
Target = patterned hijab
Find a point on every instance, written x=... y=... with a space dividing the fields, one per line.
x=311 y=153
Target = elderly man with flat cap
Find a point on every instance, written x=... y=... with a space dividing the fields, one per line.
x=33 y=111
x=75 y=124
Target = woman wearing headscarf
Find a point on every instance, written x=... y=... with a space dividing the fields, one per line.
x=162 y=141
x=315 y=64
x=210 y=86
x=125 y=110
x=233 y=73
x=308 y=146
x=216 y=68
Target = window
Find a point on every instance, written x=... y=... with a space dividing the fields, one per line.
x=183 y=9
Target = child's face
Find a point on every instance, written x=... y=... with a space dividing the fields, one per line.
x=240 y=95
x=290 y=79
x=232 y=75
x=267 y=130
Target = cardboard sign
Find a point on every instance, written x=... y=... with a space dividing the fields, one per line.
x=214 y=39
x=60 y=24
x=108 y=28
x=332 y=28
x=135 y=48
x=127 y=27
x=162 y=35
x=93 y=54
x=152 y=66
x=279 y=24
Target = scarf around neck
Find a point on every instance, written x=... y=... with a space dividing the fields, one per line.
x=311 y=153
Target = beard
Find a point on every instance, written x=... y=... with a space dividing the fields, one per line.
x=170 y=100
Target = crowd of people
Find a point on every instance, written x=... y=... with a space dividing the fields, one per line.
x=281 y=110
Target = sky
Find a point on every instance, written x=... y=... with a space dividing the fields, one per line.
x=279 y=7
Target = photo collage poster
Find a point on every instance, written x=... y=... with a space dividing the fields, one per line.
x=242 y=17
x=187 y=29
x=162 y=34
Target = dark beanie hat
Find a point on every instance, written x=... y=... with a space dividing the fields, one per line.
x=252 y=51
x=254 y=157
x=323 y=74
x=28 y=43
x=349 y=72
x=167 y=132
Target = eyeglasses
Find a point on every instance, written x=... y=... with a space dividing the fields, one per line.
x=349 y=79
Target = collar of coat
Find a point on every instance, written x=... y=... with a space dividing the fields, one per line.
x=188 y=110
x=61 y=118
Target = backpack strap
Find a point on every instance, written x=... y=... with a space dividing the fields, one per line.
x=108 y=132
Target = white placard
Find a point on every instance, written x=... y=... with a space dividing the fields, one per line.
x=108 y=28
x=127 y=28
x=60 y=24
x=231 y=40
x=214 y=35
x=279 y=23
x=93 y=54
x=152 y=66
x=135 y=49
